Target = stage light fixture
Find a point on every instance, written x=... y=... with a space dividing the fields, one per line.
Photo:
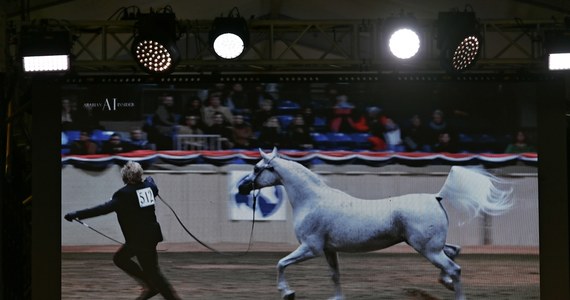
x=557 y=46
x=229 y=36
x=458 y=39
x=44 y=50
x=402 y=37
x=154 y=46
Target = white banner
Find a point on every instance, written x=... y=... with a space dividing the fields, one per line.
x=270 y=201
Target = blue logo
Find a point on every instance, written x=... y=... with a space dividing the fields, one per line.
x=268 y=201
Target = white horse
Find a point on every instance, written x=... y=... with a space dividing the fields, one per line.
x=328 y=221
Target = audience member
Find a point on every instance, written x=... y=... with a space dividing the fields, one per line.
x=373 y=120
x=238 y=98
x=270 y=134
x=164 y=123
x=520 y=144
x=436 y=126
x=299 y=135
x=261 y=115
x=341 y=116
x=242 y=136
x=215 y=107
x=193 y=108
x=257 y=96
x=445 y=143
x=392 y=136
x=115 y=144
x=220 y=128
x=309 y=118
x=416 y=136
x=138 y=141
x=84 y=145
x=191 y=125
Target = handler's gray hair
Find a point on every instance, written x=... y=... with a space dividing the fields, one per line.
x=132 y=172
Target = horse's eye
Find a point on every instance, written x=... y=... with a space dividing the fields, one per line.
x=270 y=168
x=255 y=169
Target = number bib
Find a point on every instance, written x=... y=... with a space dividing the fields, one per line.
x=146 y=197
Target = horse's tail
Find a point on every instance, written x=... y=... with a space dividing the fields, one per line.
x=477 y=191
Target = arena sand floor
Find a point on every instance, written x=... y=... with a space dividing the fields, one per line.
x=400 y=274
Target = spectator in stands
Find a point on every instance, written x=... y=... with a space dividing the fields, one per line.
x=191 y=125
x=436 y=126
x=215 y=107
x=299 y=135
x=239 y=100
x=242 y=136
x=373 y=120
x=392 y=136
x=84 y=145
x=137 y=141
x=416 y=135
x=332 y=92
x=261 y=115
x=341 y=116
x=194 y=108
x=222 y=129
x=520 y=144
x=164 y=123
x=258 y=96
x=270 y=134
x=115 y=144
x=445 y=143
x=309 y=118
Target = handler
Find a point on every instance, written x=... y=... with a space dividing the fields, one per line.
x=134 y=205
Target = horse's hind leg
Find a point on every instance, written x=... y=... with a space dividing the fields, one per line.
x=452 y=251
x=302 y=253
x=449 y=268
x=332 y=259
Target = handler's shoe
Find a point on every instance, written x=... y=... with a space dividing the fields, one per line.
x=147 y=293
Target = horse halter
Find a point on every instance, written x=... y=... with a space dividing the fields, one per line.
x=258 y=170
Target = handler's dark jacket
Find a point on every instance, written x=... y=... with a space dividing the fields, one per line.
x=134 y=205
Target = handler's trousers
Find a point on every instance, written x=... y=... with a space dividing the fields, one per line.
x=146 y=271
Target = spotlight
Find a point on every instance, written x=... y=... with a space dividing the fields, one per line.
x=402 y=37
x=229 y=36
x=154 y=47
x=45 y=51
x=557 y=46
x=458 y=40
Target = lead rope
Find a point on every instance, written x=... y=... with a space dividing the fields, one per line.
x=188 y=231
x=206 y=245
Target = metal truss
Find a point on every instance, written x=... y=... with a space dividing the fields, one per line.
x=305 y=46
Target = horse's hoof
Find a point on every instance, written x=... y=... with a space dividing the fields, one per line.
x=289 y=296
x=447 y=284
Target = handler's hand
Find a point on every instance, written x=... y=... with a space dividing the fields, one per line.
x=70 y=216
x=149 y=179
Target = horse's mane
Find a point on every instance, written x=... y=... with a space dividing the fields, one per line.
x=306 y=172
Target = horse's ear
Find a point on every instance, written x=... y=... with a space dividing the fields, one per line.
x=274 y=152
x=263 y=155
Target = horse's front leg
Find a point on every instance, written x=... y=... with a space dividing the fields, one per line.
x=332 y=259
x=302 y=253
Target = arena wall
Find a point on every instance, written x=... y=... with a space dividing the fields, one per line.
x=200 y=196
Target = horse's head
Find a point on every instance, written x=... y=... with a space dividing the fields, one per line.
x=263 y=174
